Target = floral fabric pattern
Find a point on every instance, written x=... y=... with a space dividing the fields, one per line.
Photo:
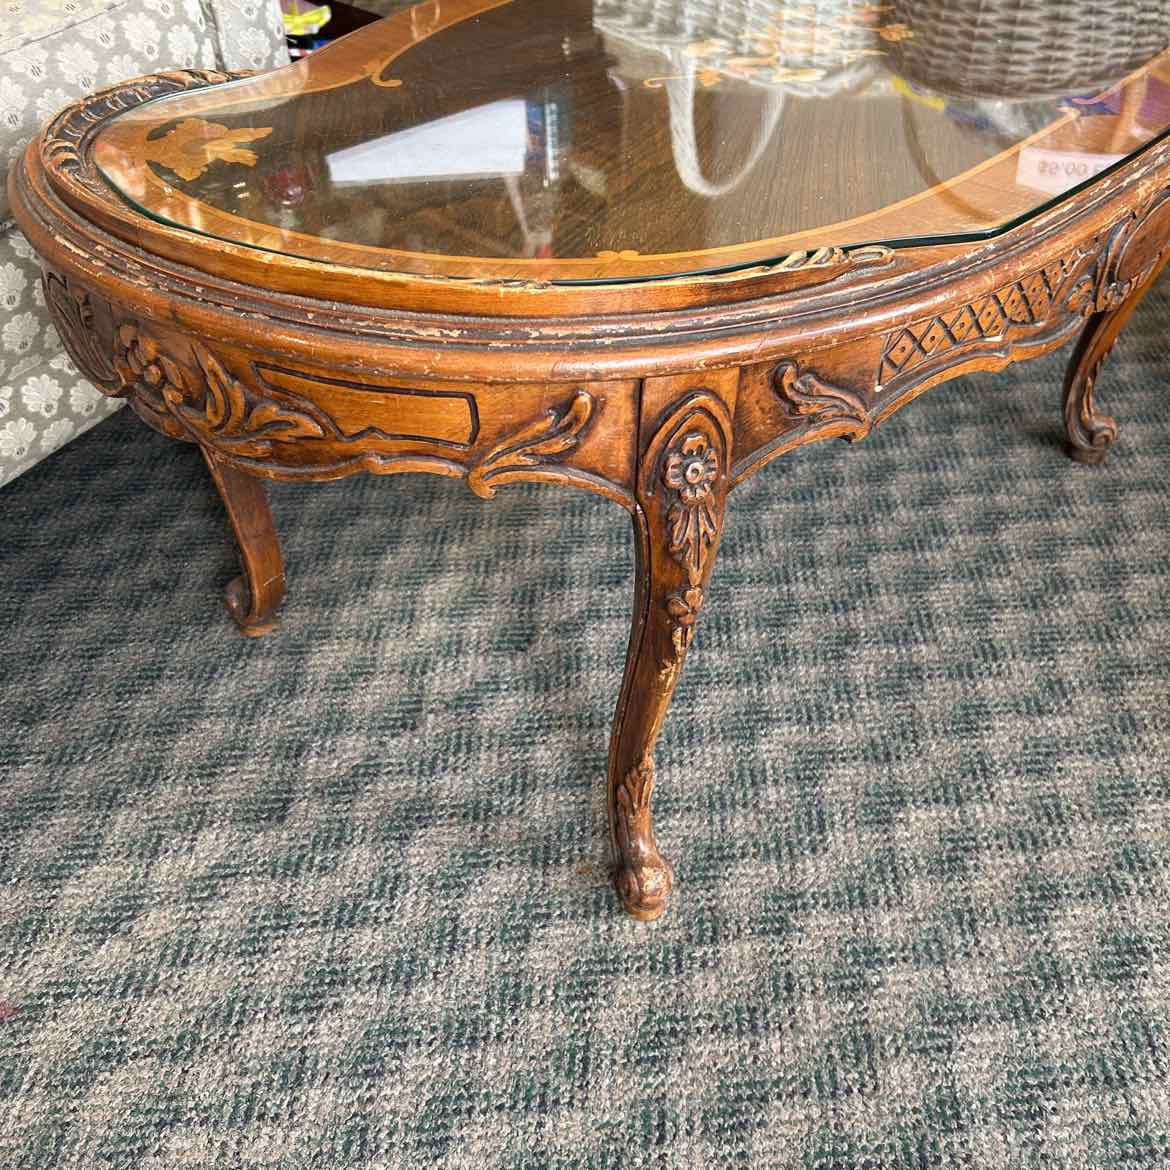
x=250 y=33
x=51 y=53
x=54 y=51
x=27 y=336
x=42 y=410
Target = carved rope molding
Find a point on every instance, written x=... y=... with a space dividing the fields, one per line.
x=63 y=143
x=194 y=143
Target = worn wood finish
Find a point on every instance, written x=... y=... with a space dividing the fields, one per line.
x=1090 y=433
x=253 y=598
x=659 y=395
x=682 y=483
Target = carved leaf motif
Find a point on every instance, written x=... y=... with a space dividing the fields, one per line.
x=690 y=473
x=73 y=315
x=228 y=416
x=224 y=408
x=633 y=792
x=1083 y=298
x=644 y=878
x=216 y=408
x=806 y=395
x=1095 y=293
x=143 y=364
x=274 y=419
x=692 y=532
x=833 y=257
x=228 y=413
x=546 y=438
x=194 y=144
x=684 y=610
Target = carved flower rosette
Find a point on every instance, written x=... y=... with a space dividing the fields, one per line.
x=691 y=471
x=692 y=487
x=210 y=403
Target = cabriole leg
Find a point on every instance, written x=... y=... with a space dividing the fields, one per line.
x=254 y=597
x=1090 y=433
x=682 y=495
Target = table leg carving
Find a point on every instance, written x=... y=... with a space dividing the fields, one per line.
x=1135 y=255
x=1090 y=433
x=254 y=597
x=681 y=500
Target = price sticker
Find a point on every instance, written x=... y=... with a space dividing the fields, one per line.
x=1055 y=171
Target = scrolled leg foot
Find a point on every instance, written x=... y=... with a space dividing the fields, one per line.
x=643 y=877
x=1090 y=434
x=252 y=598
x=1095 y=441
x=254 y=620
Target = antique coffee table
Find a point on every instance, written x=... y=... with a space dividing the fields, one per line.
x=638 y=248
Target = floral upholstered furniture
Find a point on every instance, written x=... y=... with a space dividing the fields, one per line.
x=52 y=52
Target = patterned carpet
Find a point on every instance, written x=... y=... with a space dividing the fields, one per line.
x=338 y=898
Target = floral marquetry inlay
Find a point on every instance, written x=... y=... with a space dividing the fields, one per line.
x=658 y=358
x=194 y=144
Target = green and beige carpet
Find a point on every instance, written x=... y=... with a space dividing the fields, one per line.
x=338 y=898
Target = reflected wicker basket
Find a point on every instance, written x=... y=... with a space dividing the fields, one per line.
x=1026 y=48
x=780 y=48
x=790 y=44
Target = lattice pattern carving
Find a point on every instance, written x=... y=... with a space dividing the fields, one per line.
x=1024 y=303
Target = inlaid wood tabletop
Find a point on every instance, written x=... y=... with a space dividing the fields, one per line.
x=642 y=247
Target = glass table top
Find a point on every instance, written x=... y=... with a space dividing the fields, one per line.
x=610 y=140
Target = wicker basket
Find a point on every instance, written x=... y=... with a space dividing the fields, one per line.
x=1027 y=48
x=824 y=37
x=780 y=47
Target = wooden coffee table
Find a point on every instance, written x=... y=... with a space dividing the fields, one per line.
x=558 y=242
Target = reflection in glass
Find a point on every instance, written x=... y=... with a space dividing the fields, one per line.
x=485 y=141
x=619 y=138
